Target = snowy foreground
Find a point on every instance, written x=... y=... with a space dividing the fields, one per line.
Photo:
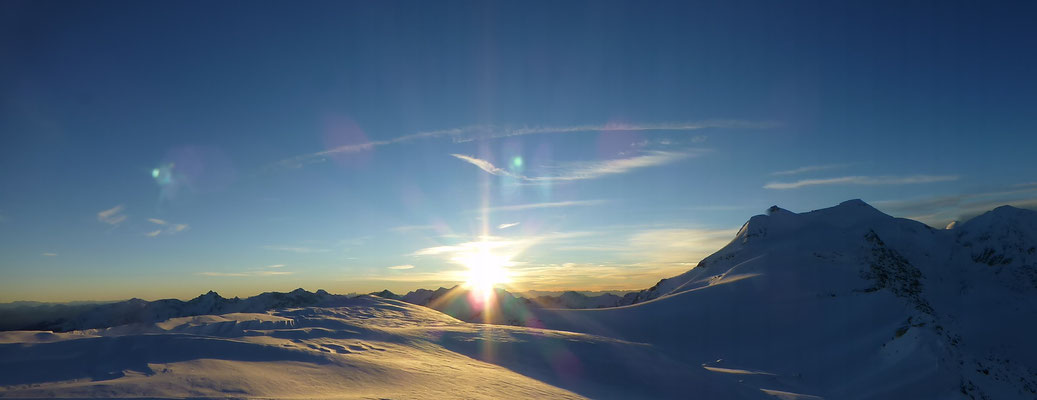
x=367 y=347
x=839 y=303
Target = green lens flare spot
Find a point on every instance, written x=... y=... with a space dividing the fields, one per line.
x=517 y=162
x=154 y=173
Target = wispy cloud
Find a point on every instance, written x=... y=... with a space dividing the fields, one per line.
x=485 y=166
x=595 y=169
x=862 y=180
x=677 y=245
x=50 y=254
x=413 y=228
x=493 y=132
x=506 y=226
x=275 y=266
x=483 y=132
x=938 y=211
x=246 y=273
x=297 y=249
x=809 y=168
x=720 y=207
x=587 y=169
x=224 y=273
x=112 y=216
x=591 y=276
x=554 y=204
x=269 y=273
x=166 y=228
x=405 y=266
x=504 y=246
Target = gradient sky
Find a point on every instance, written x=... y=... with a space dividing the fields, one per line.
x=163 y=149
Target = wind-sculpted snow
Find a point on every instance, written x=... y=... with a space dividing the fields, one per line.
x=367 y=347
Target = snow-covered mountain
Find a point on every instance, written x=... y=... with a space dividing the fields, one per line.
x=848 y=302
x=576 y=300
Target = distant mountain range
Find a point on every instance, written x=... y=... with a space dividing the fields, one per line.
x=64 y=318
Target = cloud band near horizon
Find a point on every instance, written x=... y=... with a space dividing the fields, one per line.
x=862 y=180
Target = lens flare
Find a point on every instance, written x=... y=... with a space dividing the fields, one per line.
x=485 y=270
x=163 y=175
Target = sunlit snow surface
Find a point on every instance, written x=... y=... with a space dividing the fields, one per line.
x=366 y=348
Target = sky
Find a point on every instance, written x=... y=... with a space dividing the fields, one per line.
x=164 y=149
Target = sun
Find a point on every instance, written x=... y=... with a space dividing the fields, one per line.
x=485 y=270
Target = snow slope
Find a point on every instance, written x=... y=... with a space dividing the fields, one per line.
x=365 y=347
x=848 y=302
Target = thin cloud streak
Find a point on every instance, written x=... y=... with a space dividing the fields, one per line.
x=809 y=168
x=296 y=249
x=585 y=170
x=168 y=229
x=272 y=273
x=112 y=216
x=50 y=254
x=595 y=169
x=467 y=134
x=506 y=246
x=412 y=228
x=506 y=226
x=246 y=273
x=556 y=204
x=862 y=180
x=157 y=221
x=938 y=211
x=401 y=267
x=487 y=166
x=223 y=273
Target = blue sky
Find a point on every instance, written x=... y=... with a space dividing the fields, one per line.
x=166 y=149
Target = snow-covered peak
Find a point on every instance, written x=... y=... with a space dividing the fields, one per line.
x=778 y=210
x=778 y=220
x=848 y=213
x=1004 y=238
x=1002 y=224
x=1002 y=216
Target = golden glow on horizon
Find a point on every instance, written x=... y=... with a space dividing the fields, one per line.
x=485 y=270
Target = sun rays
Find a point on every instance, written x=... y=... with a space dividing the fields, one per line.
x=485 y=270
